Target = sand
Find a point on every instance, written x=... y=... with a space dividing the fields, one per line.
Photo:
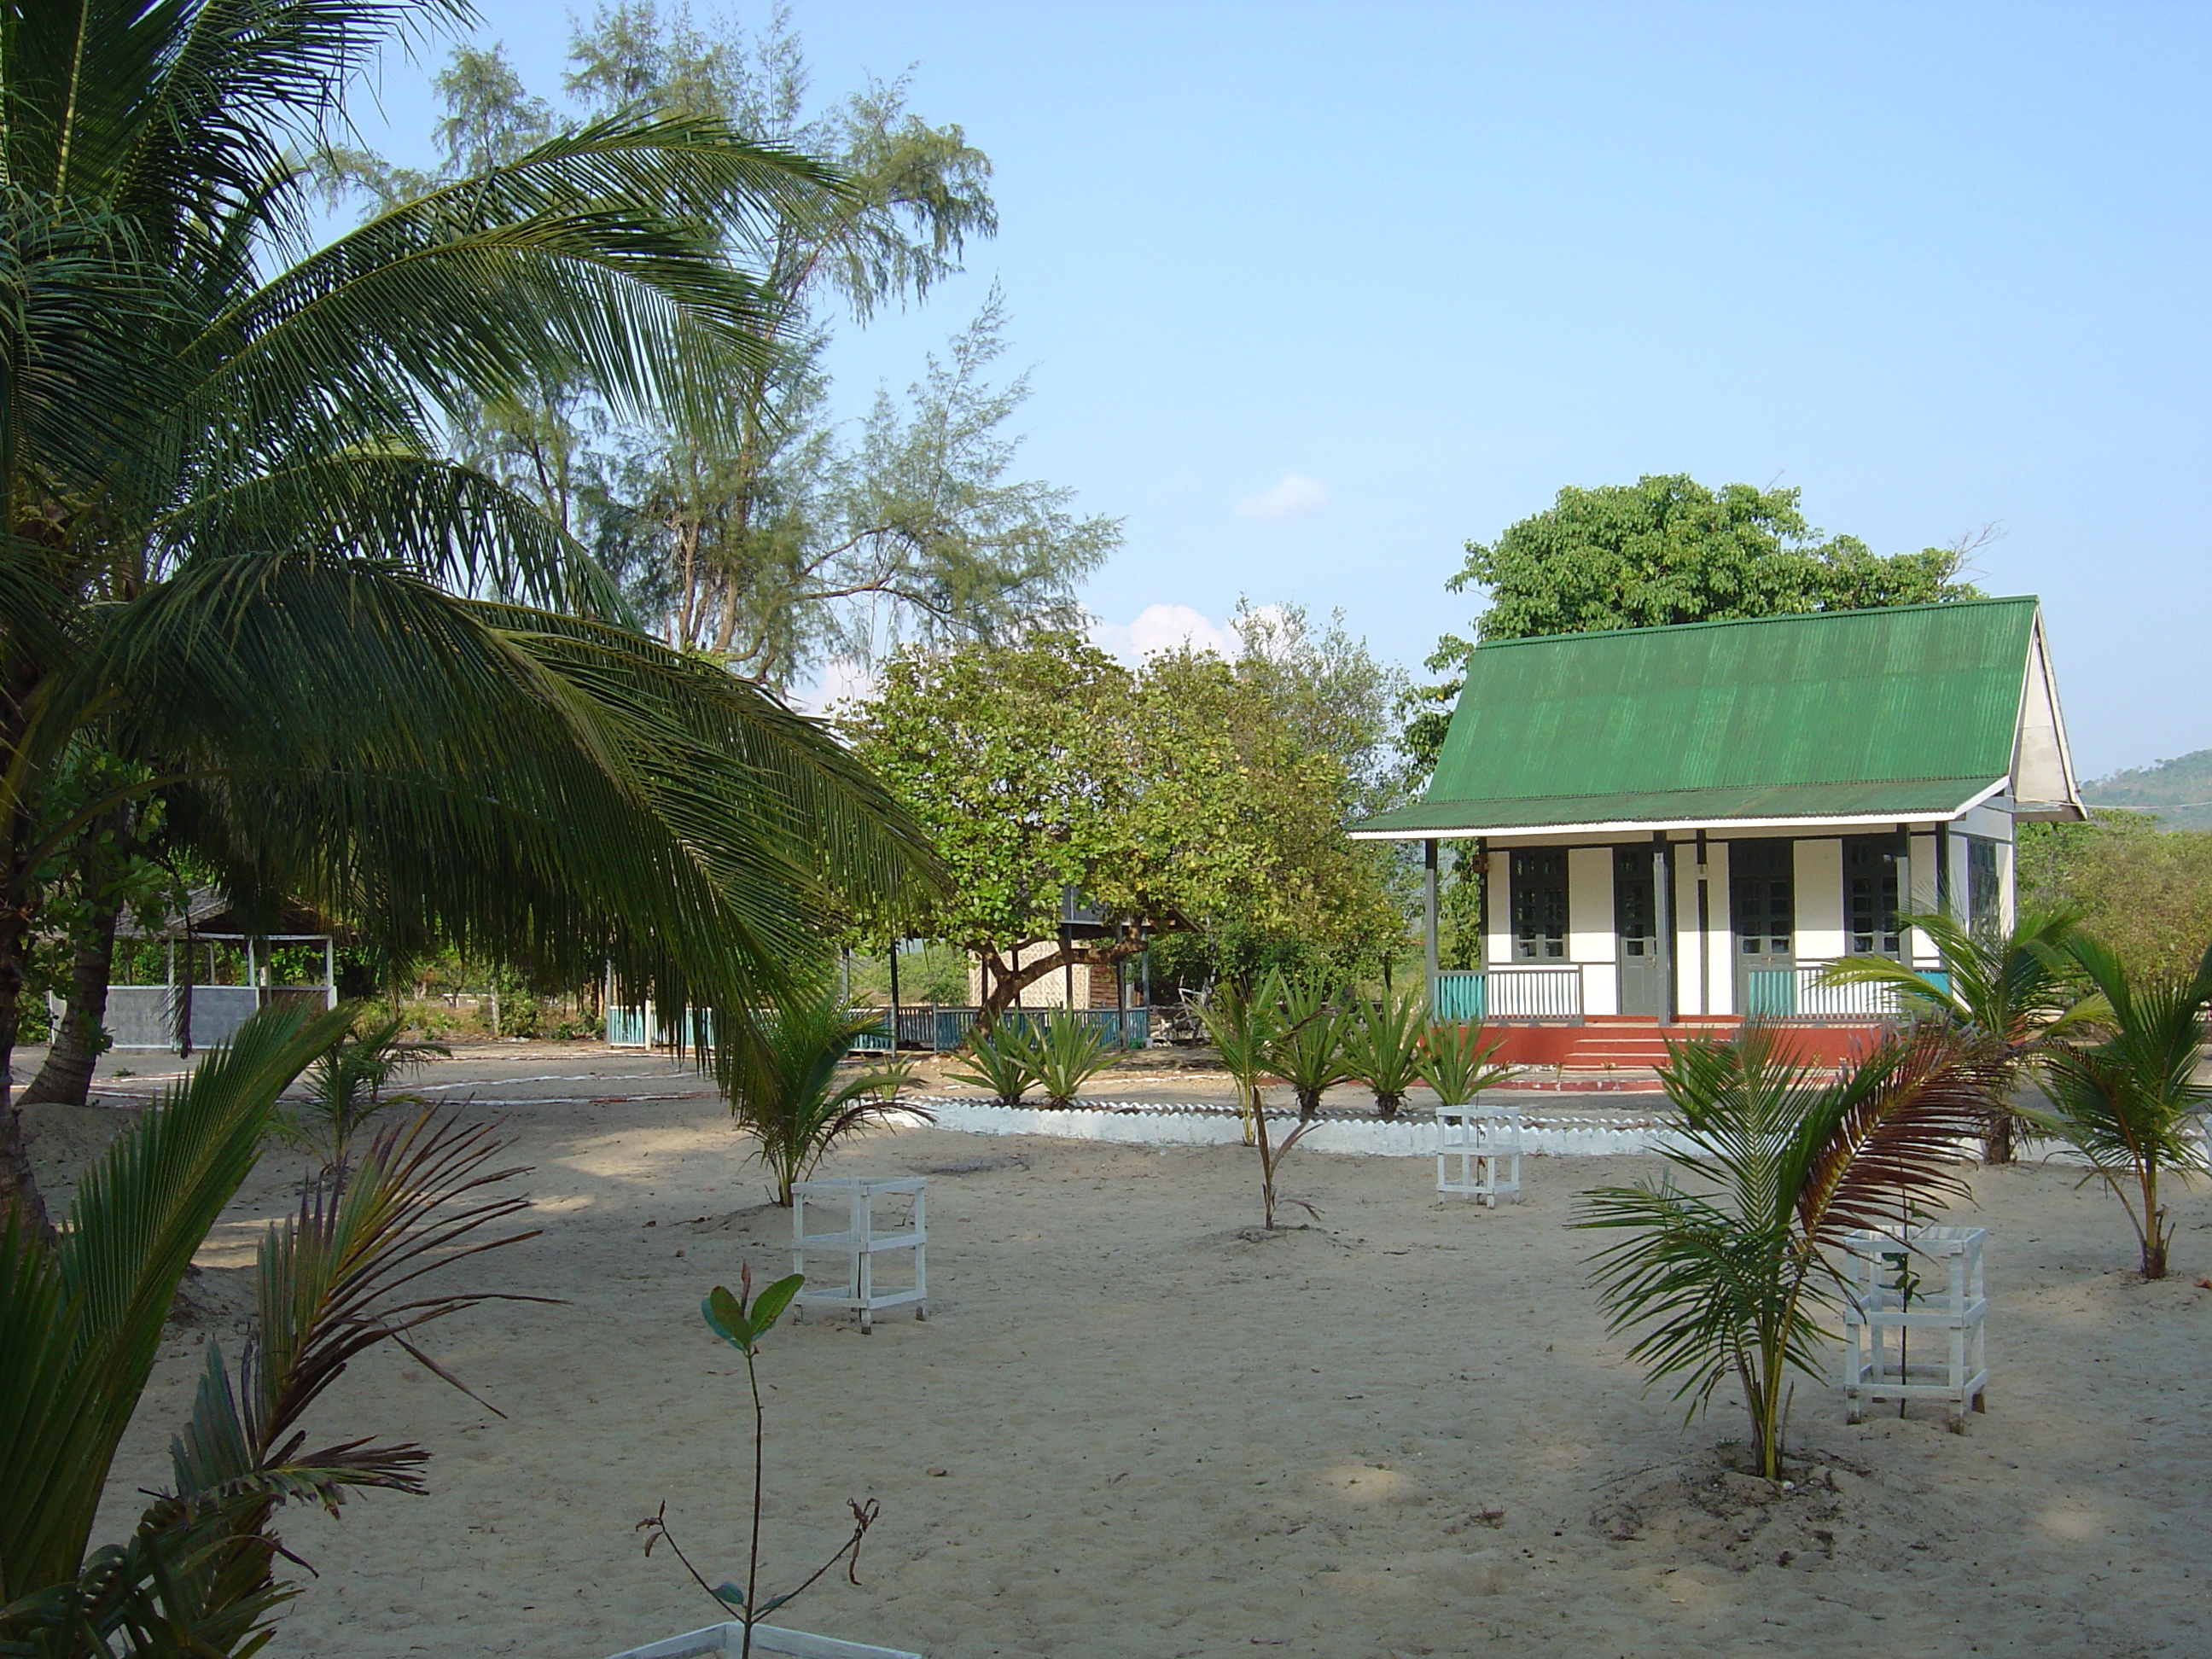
x=1134 y=1426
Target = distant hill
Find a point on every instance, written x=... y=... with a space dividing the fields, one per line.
x=2179 y=790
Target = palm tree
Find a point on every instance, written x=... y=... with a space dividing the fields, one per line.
x=2128 y=1103
x=789 y=1099
x=2021 y=988
x=1727 y=1279
x=356 y=672
x=346 y=1085
x=81 y=1323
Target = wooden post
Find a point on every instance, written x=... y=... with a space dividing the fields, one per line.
x=895 y=997
x=330 y=973
x=1662 y=880
x=1429 y=914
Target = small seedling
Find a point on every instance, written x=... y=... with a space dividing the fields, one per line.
x=741 y=1320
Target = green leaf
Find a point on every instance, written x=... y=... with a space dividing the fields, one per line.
x=730 y=1594
x=769 y=1305
x=726 y=1317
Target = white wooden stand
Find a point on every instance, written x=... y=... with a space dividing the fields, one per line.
x=1924 y=1345
x=727 y=1641
x=857 y=1244
x=1479 y=1152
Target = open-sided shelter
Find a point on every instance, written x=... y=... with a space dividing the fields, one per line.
x=1689 y=823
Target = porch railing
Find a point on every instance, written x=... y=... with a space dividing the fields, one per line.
x=1511 y=993
x=1796 y=993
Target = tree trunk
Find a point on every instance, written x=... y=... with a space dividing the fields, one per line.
x=19 y=1187
x=66 y=1078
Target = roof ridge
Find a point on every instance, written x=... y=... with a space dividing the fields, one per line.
x=1782 y=616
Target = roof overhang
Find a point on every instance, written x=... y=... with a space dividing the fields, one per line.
x=1833 y=807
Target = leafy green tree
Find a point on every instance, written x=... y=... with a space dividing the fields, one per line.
x=760 y=537
x=1667 y=550
x=2147 y=892
x=1176 y=797
x=238 y=558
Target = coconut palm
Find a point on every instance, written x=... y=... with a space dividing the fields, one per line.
x=235 y=554
x=1726 y=1278
x=1241 y=1025
x=346 y=1085
x=789 y=1098
x=2128 y=1103
x=2020 y=986
x=81 y=1323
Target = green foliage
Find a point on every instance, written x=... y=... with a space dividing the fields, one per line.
x=786 y=1095
x=1456 y=1062
x=2021 y=988
x=1182 y=795
x=1663 y=550
x=1727 y=1277
x=1241 y=1025
x=1004 y=1059
x=1382 y=1042
x=81 y=1321
x=228 y=496
x=346 y=1085
x=2147 y=894
x=1068 y=1052
x=2128 y=1103
x=1308 y=1050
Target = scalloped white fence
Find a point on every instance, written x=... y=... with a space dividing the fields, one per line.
x=1143 y=1123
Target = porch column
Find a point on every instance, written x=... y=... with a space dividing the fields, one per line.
x=1429 y=914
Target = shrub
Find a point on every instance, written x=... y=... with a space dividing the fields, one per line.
x=1066 y=1055
x=1004 y=1061
x=1307 y=1049
x=1382 y=1047
x=1456 y=1062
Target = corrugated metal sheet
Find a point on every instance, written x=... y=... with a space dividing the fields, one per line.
x=1869 y=710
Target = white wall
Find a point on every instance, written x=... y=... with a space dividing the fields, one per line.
x=1921 y=888
x=1818 y=871
x=1590 y=925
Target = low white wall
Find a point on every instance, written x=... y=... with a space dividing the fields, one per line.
x=1142 y=1124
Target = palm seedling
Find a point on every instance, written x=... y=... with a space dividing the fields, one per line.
x=1307 y=1052
x=1003 y=1060
x=1382 y=1047
x=1456 y=1062
x=2021 y=988
x=1068 y=1053
x=1241 y=1025
x=80 y=1321
x=2127 y=1103
x=1726 y=1277
x=345 y=1089
x=785 y=1092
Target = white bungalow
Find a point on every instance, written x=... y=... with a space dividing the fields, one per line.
x=1686 y=823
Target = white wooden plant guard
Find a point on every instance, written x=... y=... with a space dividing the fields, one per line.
x=1914 y=1313
x=858 y=1243
x=1479 y=1152
x=727 y=1641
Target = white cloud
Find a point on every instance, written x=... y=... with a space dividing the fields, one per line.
x=840 y=679
x=1292 y=495
x=1162 y=627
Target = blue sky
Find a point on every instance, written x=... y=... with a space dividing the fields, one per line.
x=1315 y=294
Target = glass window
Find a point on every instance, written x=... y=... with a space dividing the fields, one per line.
x=1984 y=888
x=1762 y=896
x=1539 y=903
x=1635 y=901
x=1870 y=867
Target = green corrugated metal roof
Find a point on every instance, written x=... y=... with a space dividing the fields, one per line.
x=1837 y=713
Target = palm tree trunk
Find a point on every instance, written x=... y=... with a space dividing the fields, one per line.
x=19 y=1187
x=2154 y=1229
x=66 y=1077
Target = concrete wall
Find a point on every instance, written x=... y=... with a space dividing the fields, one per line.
x=1590 y=940
x=1818 y=869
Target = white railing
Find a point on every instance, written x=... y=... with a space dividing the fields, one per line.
x=1819 y=1001
x=1534 y=994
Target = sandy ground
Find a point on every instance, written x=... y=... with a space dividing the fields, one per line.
x=1132 y=1426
